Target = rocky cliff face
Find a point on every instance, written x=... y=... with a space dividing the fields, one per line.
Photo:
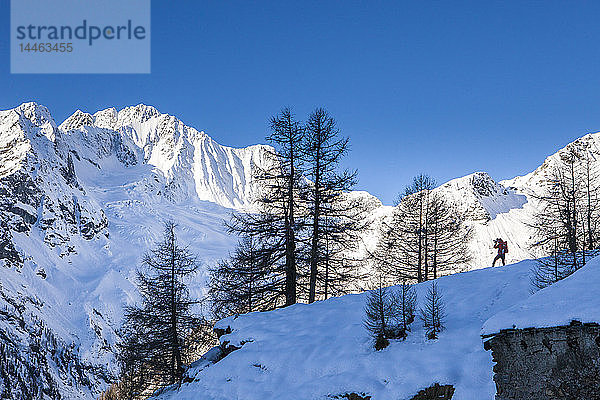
x=39 y=187
x=547 y=363
x=42 y=206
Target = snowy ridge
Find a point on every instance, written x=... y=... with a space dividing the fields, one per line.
x=505 y=209
x=573 y=298
x=192 y=162
x=322 y=349
x=491 y=210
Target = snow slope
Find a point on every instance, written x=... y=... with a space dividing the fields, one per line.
x=313 y=351
x=573 y=298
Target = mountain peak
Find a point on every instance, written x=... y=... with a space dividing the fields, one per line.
x=38 y=119
x=587 y=146
x=139 y=113
x=106 y=118
x=76 y=121
x=480 y=183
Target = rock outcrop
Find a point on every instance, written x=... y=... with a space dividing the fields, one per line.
x=560 y=362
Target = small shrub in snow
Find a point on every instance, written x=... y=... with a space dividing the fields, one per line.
x=381 y=342
x=433 y=313
x=389 y=314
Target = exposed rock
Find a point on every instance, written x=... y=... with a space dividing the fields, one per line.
x=435 y=392
x=221 y=332
x=8 y=253
x=68 y=172
x=547 y=363
x=34 y=363
x=352 y=396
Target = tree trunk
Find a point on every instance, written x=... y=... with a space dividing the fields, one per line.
x=176 y=356
x=420 y=238
x=290 y=255
x=426 y=238
x=314 y=250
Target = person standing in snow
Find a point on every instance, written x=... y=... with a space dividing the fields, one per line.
x=502 y=247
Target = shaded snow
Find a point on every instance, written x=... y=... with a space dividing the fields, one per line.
x=573 y=298
x=311 y=351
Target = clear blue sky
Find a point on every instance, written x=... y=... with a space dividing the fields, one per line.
x=445 y=88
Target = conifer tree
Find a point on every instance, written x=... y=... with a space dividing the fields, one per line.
x=559 y=223
x=275 y=225
x=448 y=238
x=433 y=314
x=154 y=331
x=424 y=238
x=415 y=208
x=333 y=220
x=406 y=303
x=388 y=314
x=591 y=200
x=245 y=282
x=379 y=311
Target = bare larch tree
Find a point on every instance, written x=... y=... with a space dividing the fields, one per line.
x=155 y=330
x=274 y=226
x=433 y=314
x=334 y=220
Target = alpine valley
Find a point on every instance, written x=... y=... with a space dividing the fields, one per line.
x=82 y=201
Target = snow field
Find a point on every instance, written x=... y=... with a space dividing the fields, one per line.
x=312 y=351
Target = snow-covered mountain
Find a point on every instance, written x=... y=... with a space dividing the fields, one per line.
x=505 y=209
x=192 y=163
x=491 y=210
x=80 y=202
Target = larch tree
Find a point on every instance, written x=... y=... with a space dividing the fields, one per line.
x=245 y=282
x=274 y=225
x=565 y=223
x=333 y=219
x=424 y=238
x=414 y=206
x=380 y=313
x=155 y=330
x=591 y=199
x=394 y=255
x=406 y=303
x=287 y=135
x=448 y=237
x=340 y=262
x=433 y=313
x=557 y=223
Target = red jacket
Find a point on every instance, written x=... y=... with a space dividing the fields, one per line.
x=502 y=247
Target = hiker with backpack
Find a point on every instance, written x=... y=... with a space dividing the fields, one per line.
x=502 y=247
